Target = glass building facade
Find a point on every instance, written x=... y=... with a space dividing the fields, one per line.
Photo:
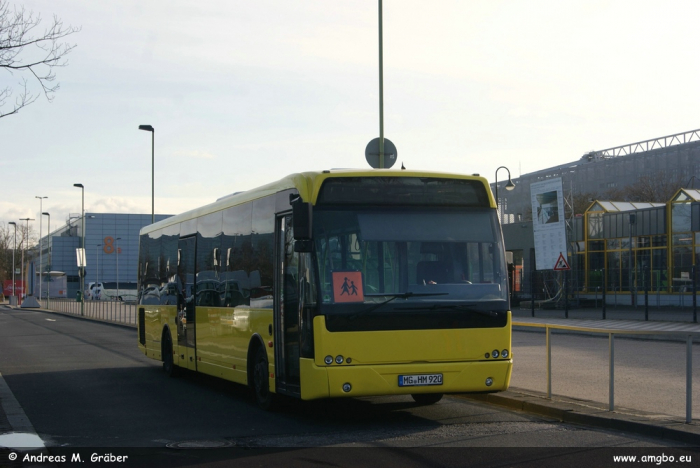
x=111 y=247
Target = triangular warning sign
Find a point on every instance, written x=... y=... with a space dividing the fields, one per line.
x=561 y=264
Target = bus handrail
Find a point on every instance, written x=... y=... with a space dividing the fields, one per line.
x=612 y=328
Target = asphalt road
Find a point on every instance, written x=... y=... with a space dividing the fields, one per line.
x=84 y=384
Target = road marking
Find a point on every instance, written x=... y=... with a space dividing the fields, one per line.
x=18 y=420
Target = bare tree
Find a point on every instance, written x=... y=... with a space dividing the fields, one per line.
x=658 y=188
x=581 y=202
x=28 y=52
x=6 y=246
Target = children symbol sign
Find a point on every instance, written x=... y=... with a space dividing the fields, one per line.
x=347 y=287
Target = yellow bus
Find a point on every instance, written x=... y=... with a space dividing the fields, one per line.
x=340 y=283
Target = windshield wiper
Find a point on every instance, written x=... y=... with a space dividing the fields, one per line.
x=404 y=295
x=465 y=307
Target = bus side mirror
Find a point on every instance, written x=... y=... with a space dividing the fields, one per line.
x=302 y=219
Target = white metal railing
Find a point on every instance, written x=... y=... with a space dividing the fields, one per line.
x=612 y=328
x=106 y=311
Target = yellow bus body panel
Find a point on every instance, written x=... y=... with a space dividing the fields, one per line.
x=223 y=337
x=379 y=357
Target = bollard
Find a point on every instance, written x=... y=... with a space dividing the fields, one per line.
x=646 y=304
x=611 y=371
x=689 y=380
x=549 y=361
x=566 y=295
x=596 y=296
x=604 y=288
x=532 y=292
x=695 y=297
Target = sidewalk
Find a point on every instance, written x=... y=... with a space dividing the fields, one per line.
x=572 y=410
x=594 y=414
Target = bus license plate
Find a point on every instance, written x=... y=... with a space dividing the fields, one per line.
x=420 y=380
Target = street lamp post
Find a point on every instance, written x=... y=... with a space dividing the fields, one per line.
x=23 y=250
x=381 y=88
x=81 y=268
x=13 y=301
x=48 y=263
x=509 y=186
x=150 y=128
x=117 y=252
x=41 y=250
x=97 y=264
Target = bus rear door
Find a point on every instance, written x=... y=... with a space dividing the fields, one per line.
x=186 y=324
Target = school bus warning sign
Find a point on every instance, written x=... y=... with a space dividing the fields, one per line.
x=347 y=287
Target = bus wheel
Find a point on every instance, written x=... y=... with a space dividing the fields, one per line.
x=426 y=398
x=261 y=380
x=167 y=352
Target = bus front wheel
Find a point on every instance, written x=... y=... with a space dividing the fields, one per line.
x=426 y=398
x=261 y=380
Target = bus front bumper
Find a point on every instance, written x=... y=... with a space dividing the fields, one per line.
x=374 y=380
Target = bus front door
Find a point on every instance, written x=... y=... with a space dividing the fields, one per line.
x=287 y=310
x=186 y=324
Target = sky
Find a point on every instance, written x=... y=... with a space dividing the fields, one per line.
x=242 y=93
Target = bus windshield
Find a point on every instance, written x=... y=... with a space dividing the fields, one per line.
x=392 y=261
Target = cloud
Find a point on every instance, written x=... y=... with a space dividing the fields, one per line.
x=194 y=154
x=117 y=205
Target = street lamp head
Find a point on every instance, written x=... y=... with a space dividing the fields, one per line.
x=78 y=185
x=148 y=128
x=510 y=185
x=47 y=214
x=40 y=197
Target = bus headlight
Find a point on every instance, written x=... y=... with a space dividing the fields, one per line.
x=339 y=359
x=489 y=381
x=328 y=360
x=505 y=353
x=495 y=353
x=347 y=387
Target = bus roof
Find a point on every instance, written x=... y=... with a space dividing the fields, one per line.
x=308 y=184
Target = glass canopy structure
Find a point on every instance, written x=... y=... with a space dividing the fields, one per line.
x=637 y=247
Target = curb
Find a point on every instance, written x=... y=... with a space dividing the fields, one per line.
x=594 y=414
